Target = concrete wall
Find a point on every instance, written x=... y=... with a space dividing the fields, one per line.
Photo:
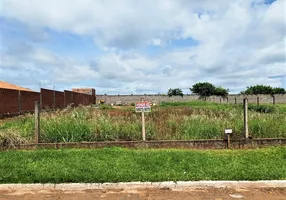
x=262 y=99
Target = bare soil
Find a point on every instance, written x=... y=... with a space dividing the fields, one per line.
x=147 y=194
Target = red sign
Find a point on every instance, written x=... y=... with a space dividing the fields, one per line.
x=143 y=106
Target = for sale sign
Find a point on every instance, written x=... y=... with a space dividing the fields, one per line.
x=143 y=106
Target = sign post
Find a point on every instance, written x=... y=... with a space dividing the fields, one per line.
x=228 y=132
x=143 y=127
x=143 y=106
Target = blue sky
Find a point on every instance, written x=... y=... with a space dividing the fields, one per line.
x=130 y=46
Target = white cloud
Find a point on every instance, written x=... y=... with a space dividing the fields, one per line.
x=239 y=42
x=157 y=42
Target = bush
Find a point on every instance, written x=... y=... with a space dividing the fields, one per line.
x=105 y=107
x=175 y=92
x=262 y=108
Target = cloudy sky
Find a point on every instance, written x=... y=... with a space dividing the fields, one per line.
x=134 y=46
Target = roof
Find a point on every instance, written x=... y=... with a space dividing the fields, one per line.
x=6 y=85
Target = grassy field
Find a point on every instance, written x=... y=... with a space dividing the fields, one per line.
x=169 y=121
x=122 y=165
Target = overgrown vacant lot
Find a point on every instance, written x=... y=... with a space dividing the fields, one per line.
x=169 y=121
x=122 y=165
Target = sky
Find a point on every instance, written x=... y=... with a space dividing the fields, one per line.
x=142 y=47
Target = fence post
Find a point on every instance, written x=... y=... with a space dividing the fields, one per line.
x=257 y=100
x=234 y=100
x=41 y=99
x=64 y=98
x=19 y=102
x=54 y=99
x=245 y=117
x=37 y=122
x=220 y=100
x=273 y=99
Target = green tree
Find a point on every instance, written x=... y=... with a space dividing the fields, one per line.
x=278 y=91
x=263 y=89
x=204 y=89
x=175 y=92
x=219 y=91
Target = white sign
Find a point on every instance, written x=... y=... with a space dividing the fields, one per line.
x=143 y=106
x=228 y=131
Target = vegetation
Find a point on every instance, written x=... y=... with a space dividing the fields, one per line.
x=219 y=91
x=262 y=108
x=175 y=92
x=263 y=89
x=122 y=165
x=207 y=89
x=170 y=121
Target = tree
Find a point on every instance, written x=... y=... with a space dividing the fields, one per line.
x=175 y=92
x=219 y=91
x=278 y=91
x=263 y=89
x=204 y=89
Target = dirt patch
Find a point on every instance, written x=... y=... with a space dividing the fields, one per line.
x=147 y=194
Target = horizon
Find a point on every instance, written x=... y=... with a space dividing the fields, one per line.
x=134 y=47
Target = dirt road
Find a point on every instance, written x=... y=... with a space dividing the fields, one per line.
x=146 y=194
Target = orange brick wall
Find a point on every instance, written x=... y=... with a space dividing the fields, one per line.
x=14 y=101
x=9 y=101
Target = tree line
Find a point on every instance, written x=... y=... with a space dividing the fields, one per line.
x=206 y=89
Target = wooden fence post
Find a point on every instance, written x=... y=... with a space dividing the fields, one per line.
x=143 y=124
x=41 y=99
x=273 y=99
x=257 y=100
x=19 y=102
x=64 y=98
x=37 y=122
x=245 y=117
x=234 y=100
x=54 y=99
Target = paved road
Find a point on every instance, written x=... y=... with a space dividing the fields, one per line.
x=146 y=194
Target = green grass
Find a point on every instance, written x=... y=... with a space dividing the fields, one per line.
x=281 y=107
x=201 y=104
x=122 y=165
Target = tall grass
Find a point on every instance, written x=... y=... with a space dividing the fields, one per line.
x=196 y=121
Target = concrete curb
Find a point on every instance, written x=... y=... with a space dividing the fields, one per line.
x=148 y=185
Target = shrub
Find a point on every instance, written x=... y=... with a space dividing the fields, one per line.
x=262 y=108
x=105 y=107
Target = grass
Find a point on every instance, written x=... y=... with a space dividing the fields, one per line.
x=170 y=121
x=281 y=108
x=122 y=165
x=201 y=104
